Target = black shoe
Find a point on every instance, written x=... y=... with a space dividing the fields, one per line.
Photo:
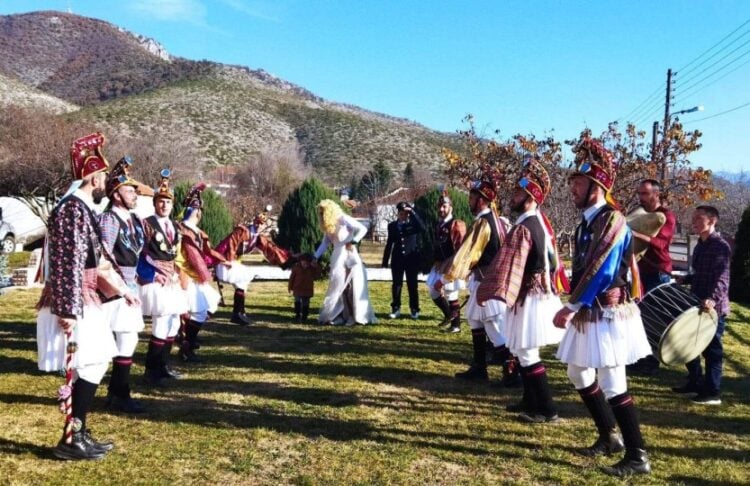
x=240 y=319
x=127 y=404
x=688 y=388
x=473 y=373
x=635 y=462
x=451 y=330
x=170 y=373
x=605 y=445
x=704 y=399
x=78 y=449
x=153 y=378
x=519 y=407
x=511 y=380
x=188 y=355
x=104 y=445
x=537 y=418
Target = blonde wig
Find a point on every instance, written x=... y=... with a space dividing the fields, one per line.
x=329 y=214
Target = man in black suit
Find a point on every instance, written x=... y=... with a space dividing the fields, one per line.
x=402 y=249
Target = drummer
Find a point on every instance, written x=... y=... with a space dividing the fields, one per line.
x=655 y=265
x=709 y=281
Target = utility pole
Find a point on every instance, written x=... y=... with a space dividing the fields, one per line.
x=667 y=104
x=654 y=132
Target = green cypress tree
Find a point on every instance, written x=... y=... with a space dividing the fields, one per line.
x=739 y=287
x=299 y=230
x=427 y=207
x=216 y=221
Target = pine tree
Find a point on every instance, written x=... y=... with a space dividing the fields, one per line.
x=299 y=230
x=216 y=221
x=739 y=287
x=427 y=207
x=409 y=175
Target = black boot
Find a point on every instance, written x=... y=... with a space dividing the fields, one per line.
x=455 y=316
x=444 y=307
x=119 y=387
x=166 y=369
x=535 y=377
x=511 y=373
x=498 y=355
x=78 y=449
x=527 y=401
x=154 y=356
x=635 y=460
x=609 y=441
x=478 y=370
x=187 y=350
x=238 y=309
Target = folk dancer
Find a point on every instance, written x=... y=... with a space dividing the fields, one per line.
x=203 y=299
x=604 y=331
x=481 y=244
x=122 y=236
x=449 y=234
x=402 y=250
x=71 y=325
x=242 y=240
x=162 y=297
x=655 y=265
x=527 y=275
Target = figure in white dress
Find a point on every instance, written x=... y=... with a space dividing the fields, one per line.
x=347 y=300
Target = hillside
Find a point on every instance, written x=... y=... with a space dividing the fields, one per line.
x=14 y=92
x=129 y=84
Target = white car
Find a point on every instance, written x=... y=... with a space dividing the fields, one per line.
x=18 y=225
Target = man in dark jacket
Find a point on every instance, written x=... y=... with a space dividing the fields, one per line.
x=402 y=250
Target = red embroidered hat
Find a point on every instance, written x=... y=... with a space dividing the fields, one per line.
x=193 y=198
x=595 y=162
x=535 y=180
x=486 y=189
x=86 y=156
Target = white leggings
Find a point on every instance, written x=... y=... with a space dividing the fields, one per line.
x=92 y=373
x=126 y=343
x=527 y=357
x=163 y=327
x=491 y=326
x=612 y=380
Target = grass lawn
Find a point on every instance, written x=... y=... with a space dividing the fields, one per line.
x=282 y=403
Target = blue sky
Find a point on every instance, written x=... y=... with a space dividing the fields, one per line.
x=517 y=66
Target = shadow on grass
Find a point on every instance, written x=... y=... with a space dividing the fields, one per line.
x=19 y=336
x=18 y=448
x=703 y=453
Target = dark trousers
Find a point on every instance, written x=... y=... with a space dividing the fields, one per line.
x=408 y=265
x=301 y=306
x=710 y=384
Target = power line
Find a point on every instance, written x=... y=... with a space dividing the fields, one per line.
x=710 y=48
x=720 y=114
x=717 y=62
x=683 y=72
x=726 y=75
x=640 y=105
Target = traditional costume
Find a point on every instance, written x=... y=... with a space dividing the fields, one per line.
x=122 y=236
x=162 y=297
x=481 y=244
x=195 y=249
x=606 y=332
x=528 y=276
x=245 y=239
x=449 y=234
x=347 y=300
x=77 y=272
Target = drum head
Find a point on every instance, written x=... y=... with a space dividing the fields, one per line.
x=687 y=336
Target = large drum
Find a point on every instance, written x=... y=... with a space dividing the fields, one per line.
x=676 y=328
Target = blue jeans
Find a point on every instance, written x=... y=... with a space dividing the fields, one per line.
x=654 y=280
x=714 y=355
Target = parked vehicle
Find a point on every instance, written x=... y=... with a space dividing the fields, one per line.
x=18 y=225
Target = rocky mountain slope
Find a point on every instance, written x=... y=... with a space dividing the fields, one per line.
x=129 y=83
